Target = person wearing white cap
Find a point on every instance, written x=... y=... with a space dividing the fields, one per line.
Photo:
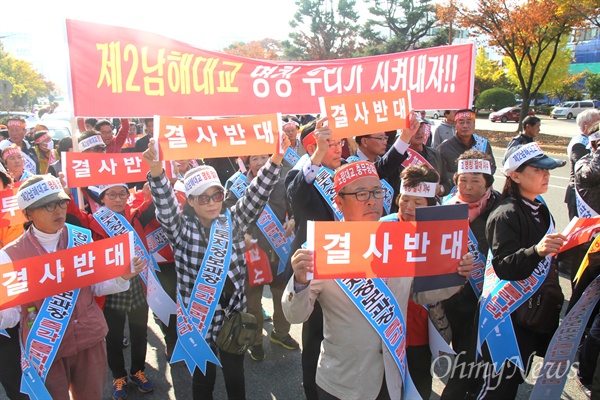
x=129 y=305
x=191 y=234
x=587 y=177
x=522 y=240
x=80 y=363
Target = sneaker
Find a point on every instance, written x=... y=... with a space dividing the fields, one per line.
x=257 y=353
x=143 y=384
x=266 y=316
x=287 y=341
x=119 y=389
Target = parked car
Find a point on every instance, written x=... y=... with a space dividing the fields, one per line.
x=57 y=129
x=508 y=114
x=30 y=118
x=571 y=109
x=61 y=115
x=435 y=114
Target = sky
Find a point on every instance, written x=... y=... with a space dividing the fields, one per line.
x=206 y=24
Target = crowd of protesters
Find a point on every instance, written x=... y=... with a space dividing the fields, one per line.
x=343 y=356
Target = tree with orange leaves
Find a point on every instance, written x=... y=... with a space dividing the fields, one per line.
x=527 y=32
x=265 y=49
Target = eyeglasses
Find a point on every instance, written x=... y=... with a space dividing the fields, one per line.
x=365 y=195
x=51 y=207
x=121 y=195
x=98 y=149
x=204 y=199
x=341 y=143
x=381 y=139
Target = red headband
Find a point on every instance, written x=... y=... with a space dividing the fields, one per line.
x=9 y=151
x=464 y=114
x=309 y=139
x=16 y=122
x=348 y=173
x=43 y=139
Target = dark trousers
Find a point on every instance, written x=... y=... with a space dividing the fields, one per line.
x=10 y=364
x=383 y=393
x=138 y=333
x=588 y=353
x=418 y=359
x=233 y=374
x=168 y=280
x=312 y=336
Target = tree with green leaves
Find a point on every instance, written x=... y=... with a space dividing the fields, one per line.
x=397 y=25
x=592 y=84
x=495 y=99
x=555 y=76
x=28 y=84
x=488 y=73
x=528 y=32
x=325 y=30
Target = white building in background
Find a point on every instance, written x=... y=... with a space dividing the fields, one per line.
x=38 y=50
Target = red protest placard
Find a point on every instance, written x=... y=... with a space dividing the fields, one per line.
x=184 y=138
x=386 y=249
x=39 y=277
x=366 y=113
x=126 y=72
x=92 y=169
x=579 y=231
x=10 y=214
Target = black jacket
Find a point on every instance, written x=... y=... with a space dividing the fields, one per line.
x=587 y=179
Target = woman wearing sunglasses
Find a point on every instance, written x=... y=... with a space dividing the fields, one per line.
x=209 y=248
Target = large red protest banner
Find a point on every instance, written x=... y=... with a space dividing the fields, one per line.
x=125 y=72
x=39 y=277
x=386 y=249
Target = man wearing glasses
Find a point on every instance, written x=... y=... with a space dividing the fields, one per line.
x=307 y=203
x=371 y=147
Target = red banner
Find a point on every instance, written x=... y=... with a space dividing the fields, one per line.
x=10 y=214
x=386 y=249
x=39 y=277
x=364 y=114
x=92 y=169
x=125 y=72
x=184 y=138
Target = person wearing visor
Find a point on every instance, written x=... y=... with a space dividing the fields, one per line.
x=191 y=234
x=522 y=239
x=44 y=148
x=79 y=367
x=128 y=305
x=354 y=363
x=14 y=162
